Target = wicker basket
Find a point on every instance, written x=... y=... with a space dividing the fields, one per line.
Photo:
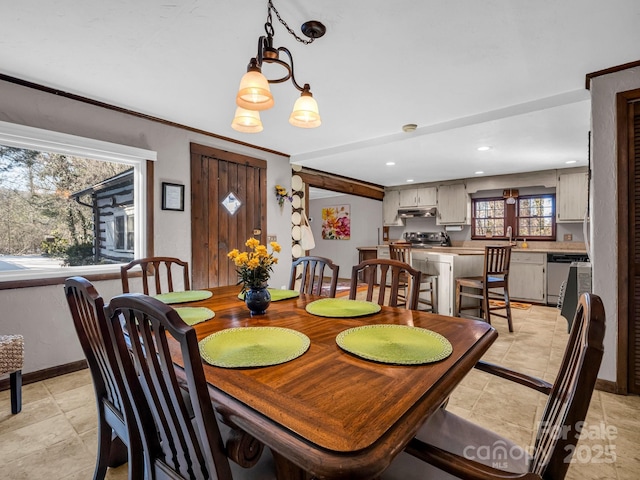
x=11 y=353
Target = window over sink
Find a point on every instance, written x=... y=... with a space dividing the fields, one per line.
x=530 y=216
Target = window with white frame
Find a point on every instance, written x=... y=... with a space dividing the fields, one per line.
x=124 y=230
x=72 y=205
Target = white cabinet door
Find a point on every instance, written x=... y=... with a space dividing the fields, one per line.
x=409 y=198
x=419 y=197
x=527 y=277
x=571 y=197
x=447 y=268
x=390 y=205
x=440 y=266
x=454 y=205
x=427 y=196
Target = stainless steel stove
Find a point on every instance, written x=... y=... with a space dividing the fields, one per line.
x=427 y=239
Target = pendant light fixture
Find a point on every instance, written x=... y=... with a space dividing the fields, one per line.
x=254 y=94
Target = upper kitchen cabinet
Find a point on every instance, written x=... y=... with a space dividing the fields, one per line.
x=418 y=197
x=571 y=197
x=454 y=205
x=390 y=205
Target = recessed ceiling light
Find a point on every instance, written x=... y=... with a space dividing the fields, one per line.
x=409 y=127
x=390 y=163
x=570 y=161
x=410 y=180
x=484 y=148
x=479 y=172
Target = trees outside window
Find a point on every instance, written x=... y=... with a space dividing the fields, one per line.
x=60 y=195
x=40 y=214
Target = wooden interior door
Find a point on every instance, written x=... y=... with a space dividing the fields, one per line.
x=215 y=231
x=628 y=175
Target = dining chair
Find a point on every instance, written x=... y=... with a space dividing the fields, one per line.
x=392 y=275
x=118 y=437
x=311 y=272
x=493 y=285
x=161 y=269
x=401 y=251
x=11 y=362
x=175 y=444
x=462 y=449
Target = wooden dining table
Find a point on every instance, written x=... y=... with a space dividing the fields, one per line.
x=328 y=413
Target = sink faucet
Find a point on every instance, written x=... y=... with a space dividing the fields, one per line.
x=509 y=234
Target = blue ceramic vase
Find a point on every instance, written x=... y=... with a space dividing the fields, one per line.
x=257 y=300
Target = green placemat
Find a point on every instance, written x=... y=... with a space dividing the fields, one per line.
x=398 y=344
x=193 y=315
x=277 y=294
x=253 y=346
x=184 y=297
x=342 y=308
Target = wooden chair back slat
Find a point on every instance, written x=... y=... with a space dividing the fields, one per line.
x=400 y=252
x=399 y=272
x=161 y=269
x=87 y=312
x=171 y=442
x=568 y=402
x=312 y=271
x=497 y=260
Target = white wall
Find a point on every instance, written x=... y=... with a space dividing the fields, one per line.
x=41 y=313
x=604 y=202
x=366 y=230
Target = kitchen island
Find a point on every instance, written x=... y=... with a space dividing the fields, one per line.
x=448 y=266
x=528 y=278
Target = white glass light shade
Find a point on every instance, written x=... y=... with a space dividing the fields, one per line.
x=246 y=121
x=254 y=92
x=305 y=112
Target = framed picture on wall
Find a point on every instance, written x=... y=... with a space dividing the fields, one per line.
x=172 y=196
x=336 y=223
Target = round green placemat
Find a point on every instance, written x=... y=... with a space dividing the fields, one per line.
x=184 y=297
x=194 y=315
x=341 y=308
x=277 y=294
x=253 y=346
x=398 y=344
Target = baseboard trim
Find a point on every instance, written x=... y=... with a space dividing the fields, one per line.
x=608 y=386
x=40 y=375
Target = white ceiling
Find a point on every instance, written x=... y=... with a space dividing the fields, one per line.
x=504 y=73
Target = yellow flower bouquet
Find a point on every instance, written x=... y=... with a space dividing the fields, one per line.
x=255 y=266
x=282 y=195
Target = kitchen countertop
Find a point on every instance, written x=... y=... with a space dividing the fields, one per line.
x=478 y=249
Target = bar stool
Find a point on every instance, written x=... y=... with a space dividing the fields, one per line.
x=496 y=276
x=11 y=362
x=401 y=251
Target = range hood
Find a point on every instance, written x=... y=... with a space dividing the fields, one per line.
x=410 y=212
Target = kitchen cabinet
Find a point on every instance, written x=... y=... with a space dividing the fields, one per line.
x=571 y=197
x=418 y=197
x=527 y=277
x=447 y=268
x=454 y=205
x=390 y=205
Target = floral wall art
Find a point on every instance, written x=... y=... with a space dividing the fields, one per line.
x=336 y=223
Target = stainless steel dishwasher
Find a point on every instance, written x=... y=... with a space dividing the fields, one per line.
x=558 y=271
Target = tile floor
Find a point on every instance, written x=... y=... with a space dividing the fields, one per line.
x=54 y=436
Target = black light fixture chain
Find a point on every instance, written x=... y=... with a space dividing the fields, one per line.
x=269 y=27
